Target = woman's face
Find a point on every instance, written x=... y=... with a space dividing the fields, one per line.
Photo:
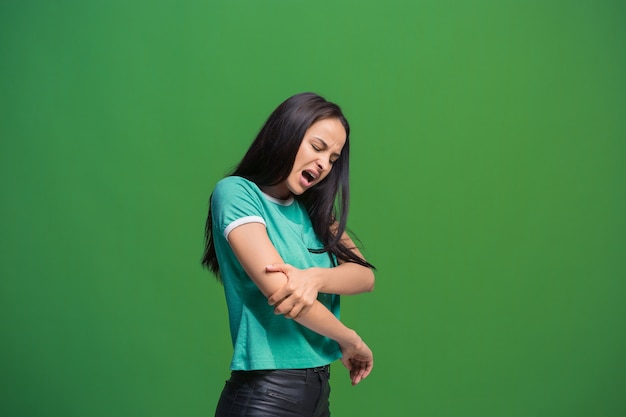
x=320 y=148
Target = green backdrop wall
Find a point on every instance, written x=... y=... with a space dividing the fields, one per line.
x=488 y=170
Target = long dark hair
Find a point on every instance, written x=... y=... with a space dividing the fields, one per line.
x=269 y=161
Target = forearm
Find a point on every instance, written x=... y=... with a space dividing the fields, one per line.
x=320 y=320
x=356 y=356
x=254 y=251
x=317 y=318
x=346 y=279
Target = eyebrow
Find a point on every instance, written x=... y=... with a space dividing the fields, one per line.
x=326 y=145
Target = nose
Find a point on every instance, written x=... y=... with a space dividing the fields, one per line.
x=323 y=164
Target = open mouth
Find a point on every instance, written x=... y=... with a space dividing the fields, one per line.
x=308 y=176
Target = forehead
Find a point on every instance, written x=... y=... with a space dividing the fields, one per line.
x=330 y=131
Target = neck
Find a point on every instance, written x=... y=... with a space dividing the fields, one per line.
x=278 y=191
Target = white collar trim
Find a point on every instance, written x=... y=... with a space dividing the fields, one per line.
x=286 y=202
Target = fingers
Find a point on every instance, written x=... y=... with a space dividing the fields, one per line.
x=284 y=300
x=359 y=364
x=287 y=297
x=295 y=296
x=290 y=310
x=278 y=296
x=360 y=371
x=288 y=307
x=286 y=290
x=359 y=367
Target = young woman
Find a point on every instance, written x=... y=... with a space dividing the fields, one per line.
x=275 y=236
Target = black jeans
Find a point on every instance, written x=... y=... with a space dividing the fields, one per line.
x=272 y=393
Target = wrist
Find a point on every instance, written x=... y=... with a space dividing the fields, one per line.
x=317 y=278
x=351 y=340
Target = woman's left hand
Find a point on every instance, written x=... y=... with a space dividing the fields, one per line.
x=298 y=294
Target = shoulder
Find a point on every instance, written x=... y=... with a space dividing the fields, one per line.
x=234 y=182
x=234 y=197
x=233 y=185
x=236 y=201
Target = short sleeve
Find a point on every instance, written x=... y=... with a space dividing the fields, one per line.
x=235 y=201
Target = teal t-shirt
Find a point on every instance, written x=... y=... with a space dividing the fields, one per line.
x=262 y=339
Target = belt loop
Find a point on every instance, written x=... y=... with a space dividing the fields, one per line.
x=322 y=369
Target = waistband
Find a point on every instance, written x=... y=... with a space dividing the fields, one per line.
x=325 y=368
x=297 y=373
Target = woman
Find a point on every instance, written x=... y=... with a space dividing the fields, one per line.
x=275 y=235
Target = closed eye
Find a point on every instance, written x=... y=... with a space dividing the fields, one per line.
x=321 y=147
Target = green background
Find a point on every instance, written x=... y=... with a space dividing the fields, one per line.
x=488 y=170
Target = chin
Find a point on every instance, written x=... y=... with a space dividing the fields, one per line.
x=297 y=190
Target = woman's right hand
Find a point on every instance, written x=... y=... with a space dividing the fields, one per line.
x=358 y=359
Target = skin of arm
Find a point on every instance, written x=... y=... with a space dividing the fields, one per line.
x=302 y=286
x=255 y=251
